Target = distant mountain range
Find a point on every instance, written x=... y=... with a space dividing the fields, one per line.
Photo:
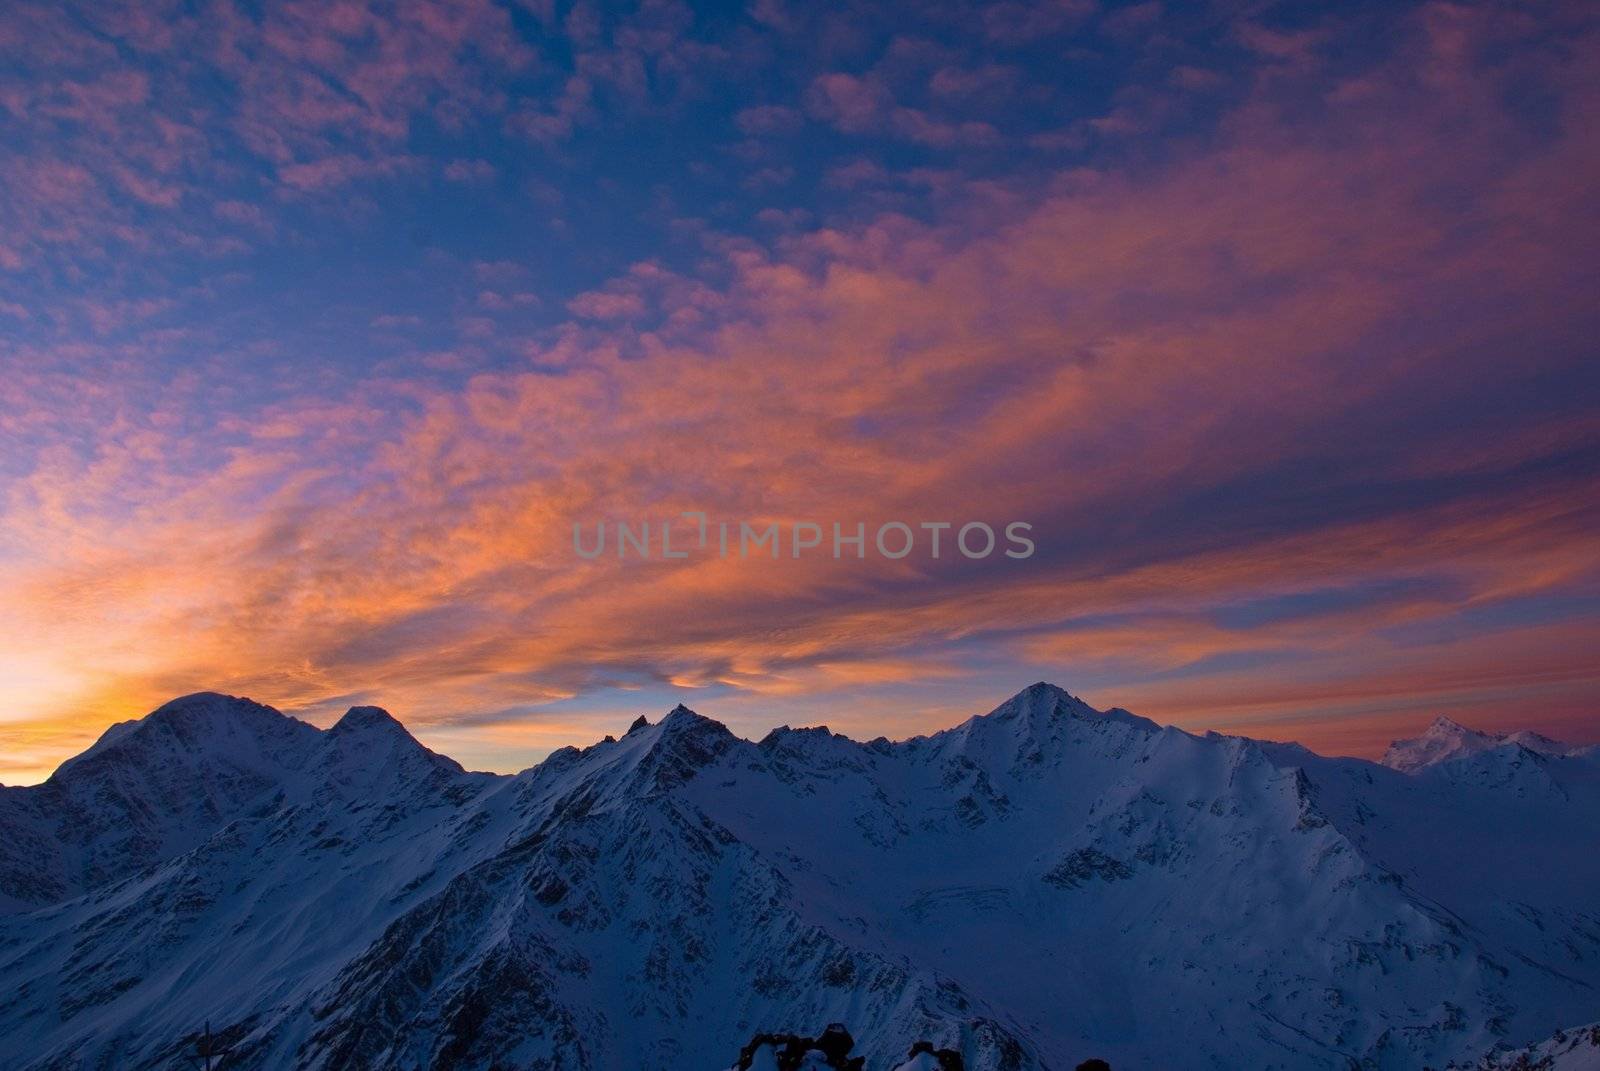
x=1036 y=886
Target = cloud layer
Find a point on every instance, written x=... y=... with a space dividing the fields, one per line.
x=325 y=324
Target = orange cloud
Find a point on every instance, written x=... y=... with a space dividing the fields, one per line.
x=1203 y=379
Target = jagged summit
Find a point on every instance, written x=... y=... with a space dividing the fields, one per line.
x=367 y=719
x=1036 y=705
x=1446 y=740
x=368 y=746
x=648 y=757
x=1042 y=702
x=1039 y=697
x=813 y=732
x=681 y=720
x=1040 y=713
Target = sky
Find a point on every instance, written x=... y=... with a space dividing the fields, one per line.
x=323 y=323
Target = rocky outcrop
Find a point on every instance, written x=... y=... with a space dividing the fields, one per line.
x=831 y=1049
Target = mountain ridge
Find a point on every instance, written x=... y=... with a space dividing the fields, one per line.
x=363 y=908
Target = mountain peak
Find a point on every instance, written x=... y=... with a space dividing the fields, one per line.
x=1445 y=740
x=1445 y=726
x=1442 y=740
x=368 y=746
x=201 y=698
x=1042 y=714
x=1041 y=701
x=670 y=751
x=201 y=707
x=189 y=725
x=680 y=720
x=367 y=719
x=1036 y=698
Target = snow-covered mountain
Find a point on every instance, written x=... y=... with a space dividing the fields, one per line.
x=1033 y=887
x=1445 y=741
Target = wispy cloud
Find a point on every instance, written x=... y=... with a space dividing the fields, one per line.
x=1300 y=404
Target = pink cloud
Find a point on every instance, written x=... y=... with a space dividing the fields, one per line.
x=865 y=105
x=600 y=305
x=469 y=171
x=331 y=172
x=855 y=105
x=767 y=119
x=1097 y=346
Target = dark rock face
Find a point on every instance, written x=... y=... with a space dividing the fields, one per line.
x=949 y=1059
x=1083 y=866
x=834 y=1044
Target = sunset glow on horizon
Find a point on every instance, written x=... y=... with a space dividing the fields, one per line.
x=321 y=326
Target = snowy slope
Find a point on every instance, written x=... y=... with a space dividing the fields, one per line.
x=1567 y=1050
x=147 y=790
x=1037 y=885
